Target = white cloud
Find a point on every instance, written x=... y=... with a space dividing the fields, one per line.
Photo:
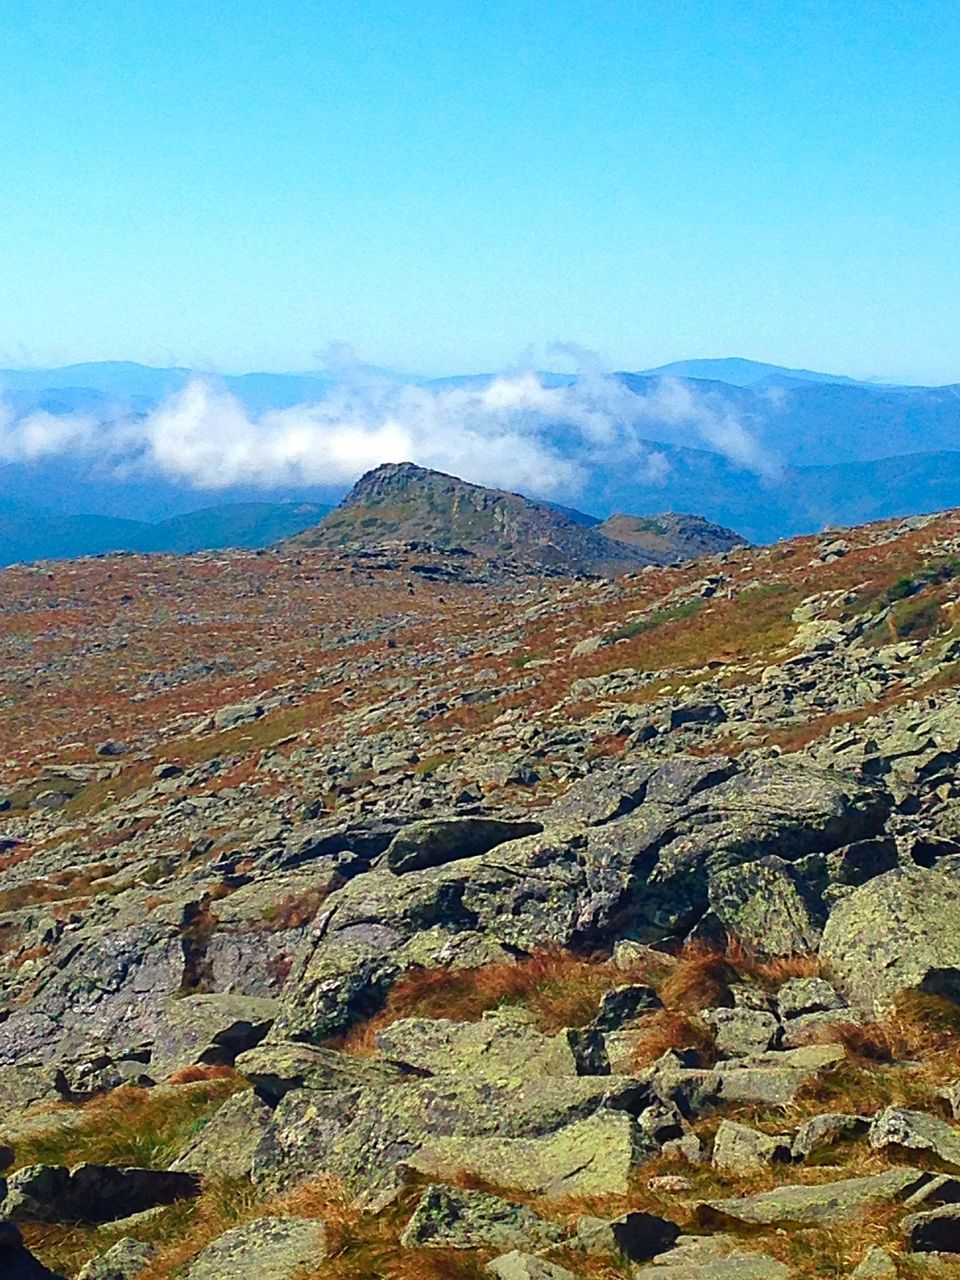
x=511 y=431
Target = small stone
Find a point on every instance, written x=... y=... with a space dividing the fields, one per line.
x=524 y=1266
x=876 y=1265
x=915 y=1131
x=265 y=1249
x=448 y=1218
x=120 y=1262
x=806 y=995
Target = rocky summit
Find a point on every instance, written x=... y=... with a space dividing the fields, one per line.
x=401 y=502
x=382 y=905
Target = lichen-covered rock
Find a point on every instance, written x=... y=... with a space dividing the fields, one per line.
x=448 y=1218
x=265 y=1249
x=226 y=1144
x=800 y=996
x=121 y=1261
x=822 y=1133
x=526 y=1266
x=433 y=842
x=876 y=1264
x=209 y=1029
x=362 y=1135
x=933 y=1230
x=634 y=1236
x=823 y=1204
x=899 y=932
x=593 y=1157
x=712 y=1258
x=764 y=906
x=277 y=1067
x=90 y=1192
x=494 y=1048
x=738 y=1149
x=622 y=1004
x=742 y=1032
x=899 y=1129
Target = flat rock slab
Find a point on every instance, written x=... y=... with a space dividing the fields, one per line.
x=492 y=1049
x=265 y=1249
x=448 y=1218
x=825 y=1203
x=591 y=1157
x=277 y=1067
x=90 y=1192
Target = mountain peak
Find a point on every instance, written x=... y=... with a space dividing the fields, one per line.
x=403 y=502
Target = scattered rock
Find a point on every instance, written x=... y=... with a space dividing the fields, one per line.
x=448 y=1218
x=265 y=1249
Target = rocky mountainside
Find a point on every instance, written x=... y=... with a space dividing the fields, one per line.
x=401 y=502
x=402 y=913
x=677 y=537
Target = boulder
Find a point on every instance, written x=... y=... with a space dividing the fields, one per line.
x=897 y=1129
x=800 y=996
x=448 y=1218
x=622 y=1004
x=742 y=1032
x=898 y=932
x=765 y=907
x=876 y=1264
x=711 y=1258
x=492 y=1048
x=439 y=840
x=633 y=1236
x=362 y=1135
x=525 y=1266
x=209 y=1029
x=277 y=1067
x=265 y=1249
x=90 y=1192
x=821 y=1205
x=593 y=1157
x=934 y=1230
x=821 y=1134
x=121 y=1261
x=225 y=1145
x=738 y=1149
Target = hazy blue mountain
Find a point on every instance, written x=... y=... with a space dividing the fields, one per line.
x=26 y=535
x=738 y=372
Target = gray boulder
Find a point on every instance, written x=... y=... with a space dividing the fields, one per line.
x=225 y=1146
x=899 y=932
x=210 y=1029
x=821 y=1134
x=122 y=1261
x=492 y=1048
x=764 y=906
x=439 y=840
x=525 y=1266
x=265 y=1249
x=448 y=1218
x=738 y=1149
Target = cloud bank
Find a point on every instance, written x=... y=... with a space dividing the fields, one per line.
x=513 y=431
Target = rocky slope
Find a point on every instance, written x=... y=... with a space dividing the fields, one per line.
x=401 y=502
x=402 y=913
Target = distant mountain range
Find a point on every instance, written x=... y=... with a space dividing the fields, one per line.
x=823 y=450
x=401 y=502
x=26 y=535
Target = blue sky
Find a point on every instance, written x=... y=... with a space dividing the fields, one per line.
x=445 y=186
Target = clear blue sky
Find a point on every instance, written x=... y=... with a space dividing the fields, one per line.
x=445 y=184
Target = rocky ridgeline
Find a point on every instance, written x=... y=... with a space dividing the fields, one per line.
x=428 y=918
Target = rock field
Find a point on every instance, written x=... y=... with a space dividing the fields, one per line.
x=406 y=913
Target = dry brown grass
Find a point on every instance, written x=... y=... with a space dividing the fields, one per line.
x=664 y=1030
